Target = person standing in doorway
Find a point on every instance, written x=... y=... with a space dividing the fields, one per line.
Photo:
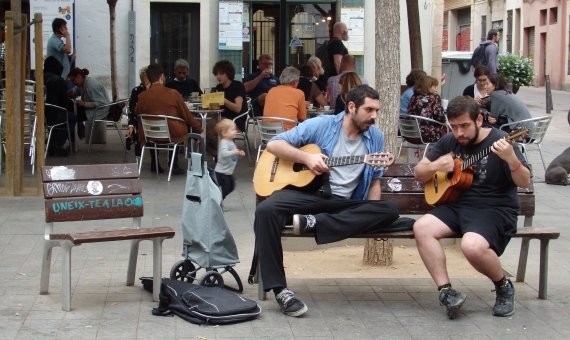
x=336 y=49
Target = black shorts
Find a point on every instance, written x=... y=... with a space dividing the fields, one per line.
x=496 y=225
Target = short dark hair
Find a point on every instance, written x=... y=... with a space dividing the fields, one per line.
x=359 y=93
x=497 y=80
x=481 y=70
x=153 y=72
x=413 y=77
x=492 y=32
x=57 y=23
x=461 y=105
x=225 y=67
x=424 y=84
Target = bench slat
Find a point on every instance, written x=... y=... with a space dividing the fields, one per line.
x=89 y=172
x=94 y=188
x=538 y=233
x=115 y=235
x=93 y=208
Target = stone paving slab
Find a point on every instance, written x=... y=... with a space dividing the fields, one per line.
x=341 y=308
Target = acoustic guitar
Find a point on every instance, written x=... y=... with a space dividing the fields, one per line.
x=272 y=173
x=445 y=187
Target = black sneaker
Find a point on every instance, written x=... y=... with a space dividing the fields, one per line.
x=505 y=301
x=289 y=304
x=452 y=300
x=303 y=224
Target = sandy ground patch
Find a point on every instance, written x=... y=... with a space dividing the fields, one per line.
x=346 y=261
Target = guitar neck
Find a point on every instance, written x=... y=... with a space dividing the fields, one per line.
x=475 y=158
x=344 y=160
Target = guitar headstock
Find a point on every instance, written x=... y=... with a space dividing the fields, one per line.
x=379 y=159
x=517 y=134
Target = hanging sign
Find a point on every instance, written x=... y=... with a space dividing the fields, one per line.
x=295 y=42
x=353 y=17
x=230 y=31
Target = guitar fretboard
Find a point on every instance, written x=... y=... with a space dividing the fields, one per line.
x=475 y=158
x=344 y=160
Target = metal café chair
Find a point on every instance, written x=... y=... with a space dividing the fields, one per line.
x=267 y=128
x=157 y=137
x=116 y=124
x=537 y=127
x=411 y=132
x=243 y=134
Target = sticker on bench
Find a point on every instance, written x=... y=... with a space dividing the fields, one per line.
x=60 y=173
x=95 y=188
x=395 y=184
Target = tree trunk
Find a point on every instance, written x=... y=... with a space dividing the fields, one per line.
x=379 y=252
x=114 y=86
x=415 y=34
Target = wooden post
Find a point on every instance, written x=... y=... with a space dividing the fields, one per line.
x=40 y=114
x=549 y=105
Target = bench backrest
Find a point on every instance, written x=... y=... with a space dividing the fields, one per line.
x=399 y=179
x=91 y=192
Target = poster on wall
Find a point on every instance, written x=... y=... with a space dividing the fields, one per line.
x=246 y=27
x=353 y=17
x=51 y=9
x=230 y=31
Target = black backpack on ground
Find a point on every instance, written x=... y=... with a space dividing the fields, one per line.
x=204 y=305
x=479 y=57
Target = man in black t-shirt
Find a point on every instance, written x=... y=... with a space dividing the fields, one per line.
x=336 y=49
x=485 y=215
x=181 y=82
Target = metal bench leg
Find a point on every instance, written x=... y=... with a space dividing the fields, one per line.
x=133 y=256
x=66 y=275
x=543 y=276
x=523 y=256
x=46 y=266
x=156 y=267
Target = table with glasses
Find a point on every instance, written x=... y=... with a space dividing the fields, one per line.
x=204 y=115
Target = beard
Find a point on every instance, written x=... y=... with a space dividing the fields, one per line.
x=345 y=37
x=362 y=126
x=470 y=141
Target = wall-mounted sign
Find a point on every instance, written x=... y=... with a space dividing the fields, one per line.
x=230 y=31
x=353 y=17
x=51 y=9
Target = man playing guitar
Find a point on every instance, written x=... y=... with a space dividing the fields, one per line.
x=353 y=205
x=485 y=214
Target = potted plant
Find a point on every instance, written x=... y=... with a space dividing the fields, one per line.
x=520 y=68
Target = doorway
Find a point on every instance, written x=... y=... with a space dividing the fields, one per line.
x=175 y=33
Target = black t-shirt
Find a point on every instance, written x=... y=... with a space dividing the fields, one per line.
x=185 y=88
x=236 y=89
x=492 y=184
x=335 y=46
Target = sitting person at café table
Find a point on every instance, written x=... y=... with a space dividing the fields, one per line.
x=259 y=83
x=478 y=90
x=503 y=106
x=286 y=100
x=318 y=72
x=348 y=81
x=160 y=100
x=427 y=103
x=312 y=93
x=234 y=92
x=133 y=100
x=411 y=80
x=181 y=81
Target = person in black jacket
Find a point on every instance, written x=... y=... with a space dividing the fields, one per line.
x=133 y=100
x=56 y=94
x=181 y=82
x=478 y=90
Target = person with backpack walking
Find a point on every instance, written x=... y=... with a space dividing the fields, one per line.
x=487 y=52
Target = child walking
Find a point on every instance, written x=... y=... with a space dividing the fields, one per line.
x=228 y=155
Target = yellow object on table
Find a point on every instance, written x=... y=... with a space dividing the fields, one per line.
x=212 y=100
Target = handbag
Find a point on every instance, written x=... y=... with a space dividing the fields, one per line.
x=115 y=111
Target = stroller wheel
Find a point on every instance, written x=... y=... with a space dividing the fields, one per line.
x=212 y=279
x=183 y=270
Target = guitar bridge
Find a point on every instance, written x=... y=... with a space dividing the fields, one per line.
x=435 y=183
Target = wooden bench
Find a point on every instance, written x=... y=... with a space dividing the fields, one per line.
x=96 y=192
x=399 y=185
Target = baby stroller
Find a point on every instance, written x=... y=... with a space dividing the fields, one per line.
x=208 y=243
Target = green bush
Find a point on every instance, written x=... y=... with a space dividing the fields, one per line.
x=518 y=67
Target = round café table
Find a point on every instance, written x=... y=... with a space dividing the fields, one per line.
x=206 y=114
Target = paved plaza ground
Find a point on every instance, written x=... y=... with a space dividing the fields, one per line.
x=341 y=308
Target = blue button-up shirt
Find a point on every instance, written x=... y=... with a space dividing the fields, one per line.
x=325 y=131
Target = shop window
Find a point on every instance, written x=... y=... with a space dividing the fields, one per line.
x=553 y=15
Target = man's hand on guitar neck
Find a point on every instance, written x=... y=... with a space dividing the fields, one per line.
x=519 y=173
x=315 y=162
x=425 y=169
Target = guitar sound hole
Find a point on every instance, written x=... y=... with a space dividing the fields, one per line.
x=298 y=167
x=449 y=175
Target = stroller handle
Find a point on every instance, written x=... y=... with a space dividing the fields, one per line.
x=199 y=143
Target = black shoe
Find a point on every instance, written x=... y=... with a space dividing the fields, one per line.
x=303 y=224
x=289 y=304
x=80 y=130
x=505 y=301
x=153 y=168
x=452 y=300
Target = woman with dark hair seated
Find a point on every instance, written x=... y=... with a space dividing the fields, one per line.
x=427 y=103
x=309 y=87
x=478 y=90
x=503 y=106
